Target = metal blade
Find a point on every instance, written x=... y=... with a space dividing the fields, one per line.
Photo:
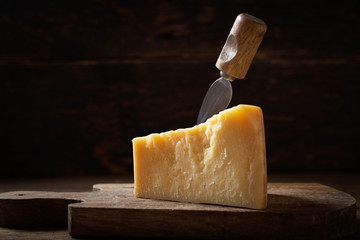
x=216 y=99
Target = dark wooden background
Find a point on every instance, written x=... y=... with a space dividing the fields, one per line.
x=80 y=79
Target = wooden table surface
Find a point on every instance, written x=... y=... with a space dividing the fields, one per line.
x=349 y=183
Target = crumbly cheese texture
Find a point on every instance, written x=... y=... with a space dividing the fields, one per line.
x=221 y=161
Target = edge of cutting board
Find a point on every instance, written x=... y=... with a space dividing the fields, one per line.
x=295 y=210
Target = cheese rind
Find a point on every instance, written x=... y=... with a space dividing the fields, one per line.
x=221 y=161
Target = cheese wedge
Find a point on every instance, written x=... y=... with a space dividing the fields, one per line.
x=221 y=161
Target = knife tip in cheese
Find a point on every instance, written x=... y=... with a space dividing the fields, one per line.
x=221 y=161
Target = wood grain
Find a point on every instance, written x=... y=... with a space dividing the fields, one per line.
x=305 y=210
x=186 y=29
x=80 y=79
x=241 y=45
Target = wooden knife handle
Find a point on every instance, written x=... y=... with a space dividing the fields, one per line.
x=241 y=45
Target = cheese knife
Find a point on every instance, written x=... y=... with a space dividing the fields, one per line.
x=234 y=61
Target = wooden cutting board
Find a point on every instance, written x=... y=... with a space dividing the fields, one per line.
x=295 y=211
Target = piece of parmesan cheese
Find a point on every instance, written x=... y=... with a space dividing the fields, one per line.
x=221 y=161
